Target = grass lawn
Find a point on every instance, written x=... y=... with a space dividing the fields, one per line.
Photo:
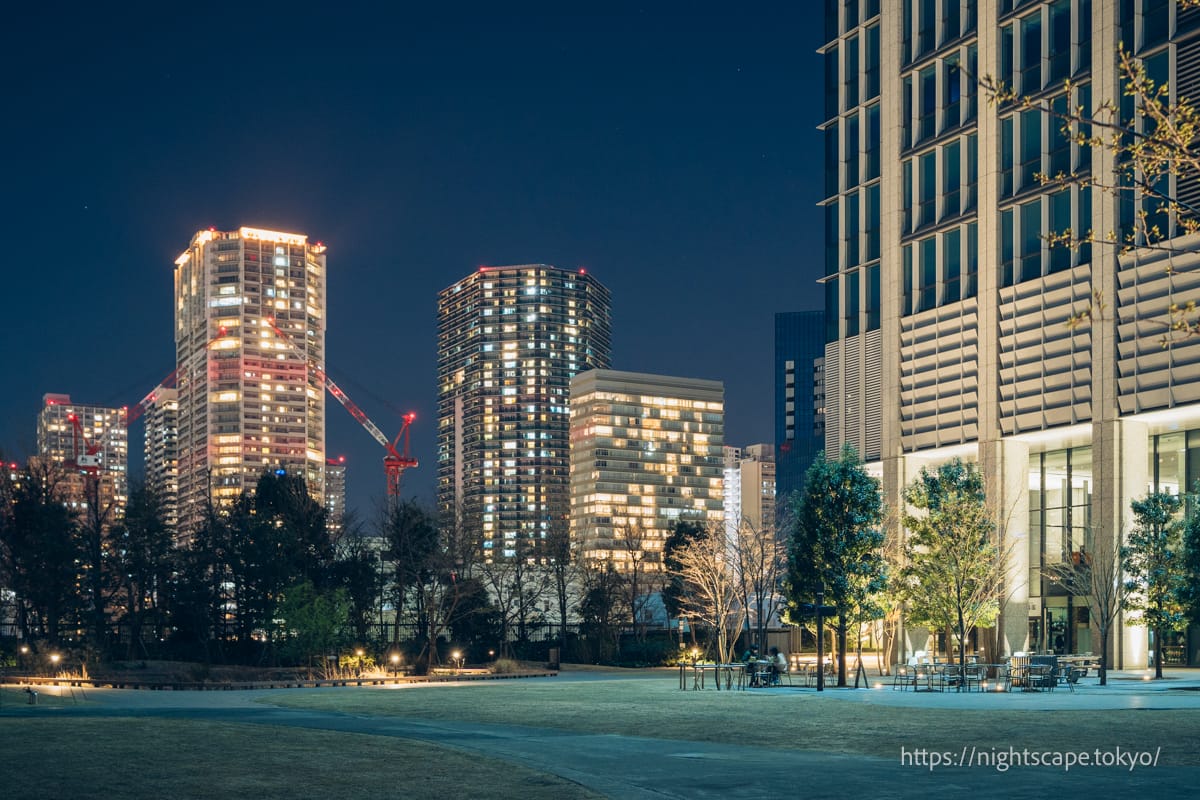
x=151 y=758
x=655 y=707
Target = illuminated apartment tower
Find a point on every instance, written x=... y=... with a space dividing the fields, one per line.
x=249 y=401
x=645 y=451
x=509 y=341
x=101 y=441
x=335 y=494
x=947 y=307
x=749 y=491
x=161 y=431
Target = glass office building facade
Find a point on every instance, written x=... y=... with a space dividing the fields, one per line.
x=948 y=306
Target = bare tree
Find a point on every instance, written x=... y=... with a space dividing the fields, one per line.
x=640 y=572
x=562 y=564
x=517 y=585
x=708 y=568
x=1098 y=578
x=761 y=558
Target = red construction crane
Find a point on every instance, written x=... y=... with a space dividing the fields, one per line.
x=135 y=413
x=396 y=461
x=90 y=458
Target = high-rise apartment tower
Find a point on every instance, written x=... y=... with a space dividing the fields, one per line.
x=248 y=400
x=509 y=341
x=99 y=445
x=161 y=420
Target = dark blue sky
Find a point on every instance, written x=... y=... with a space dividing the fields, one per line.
x=670 y=149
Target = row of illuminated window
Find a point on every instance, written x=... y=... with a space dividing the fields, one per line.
x=1045 y=235
x=941 y=269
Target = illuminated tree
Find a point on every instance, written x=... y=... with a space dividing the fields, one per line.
x=1153 y=563
x=837 y=545
x=954 y=571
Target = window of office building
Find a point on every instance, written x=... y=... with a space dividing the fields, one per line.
x=852 y=303
x=1174 y=462
x=1060 y=505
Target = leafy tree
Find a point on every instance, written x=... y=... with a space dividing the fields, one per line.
x=312 y=623
x=953 y=578
x=429 y=573
x=200 y=592
x=476 y=622
x=413 y=544
x=1153 y=562
x=837 y=545
x=602 y=607
x=98 y=582
x=277 y=538
x=359 y=573
x=1189 y=594
x=143 y=561
x=684 y=532
x=42 y=551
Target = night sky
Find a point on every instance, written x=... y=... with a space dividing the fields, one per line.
x=669 y=149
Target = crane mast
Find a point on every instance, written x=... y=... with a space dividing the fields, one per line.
x=396 y=460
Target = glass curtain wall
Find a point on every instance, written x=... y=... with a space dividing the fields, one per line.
x=1060 y=530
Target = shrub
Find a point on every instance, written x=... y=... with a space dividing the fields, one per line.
x=505 y=666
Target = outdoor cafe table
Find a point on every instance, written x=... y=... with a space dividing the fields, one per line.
x=722 y=673
x=1030 y=677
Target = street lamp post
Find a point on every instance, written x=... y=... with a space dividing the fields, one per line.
x=820 y=641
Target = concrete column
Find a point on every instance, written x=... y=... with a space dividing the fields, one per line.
x=1005 y=466
x=1119 y=447
x=1120 y=468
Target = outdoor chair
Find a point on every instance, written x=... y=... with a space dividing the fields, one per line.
x=973 y=675
x=1069 y=676
x=785 y=675
x=902 y=676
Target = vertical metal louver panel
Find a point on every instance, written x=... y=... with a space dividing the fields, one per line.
x=853 y=392
x=873 y=396
x=1187 y=85
x=833 y=397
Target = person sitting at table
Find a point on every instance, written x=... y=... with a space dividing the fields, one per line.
x=749 y=658
x=779 y=664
